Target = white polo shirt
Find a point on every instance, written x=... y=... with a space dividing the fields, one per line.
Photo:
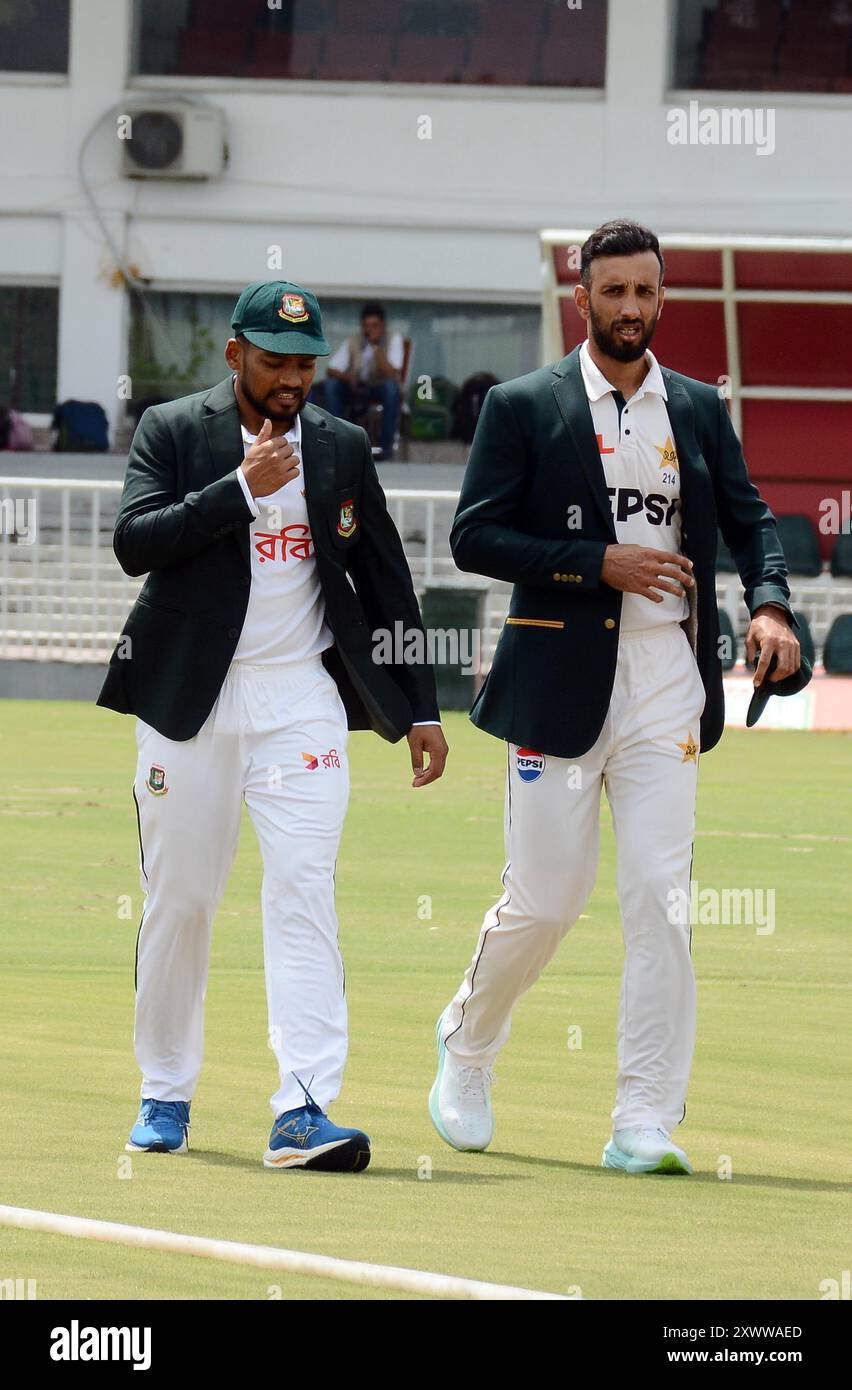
x=395 y=353
x=642 y=474
x=285 y=620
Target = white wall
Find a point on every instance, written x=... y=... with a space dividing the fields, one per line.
x=339 y=178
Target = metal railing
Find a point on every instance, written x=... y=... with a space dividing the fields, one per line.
x=64 y=597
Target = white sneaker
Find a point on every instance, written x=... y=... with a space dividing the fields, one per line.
x=460 y=1100
x=644 y=1150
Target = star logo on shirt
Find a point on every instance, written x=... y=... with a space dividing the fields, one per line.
x=689 y=749
x=668 y=454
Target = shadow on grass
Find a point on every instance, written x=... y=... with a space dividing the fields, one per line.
x=794 y=1184
x=215 y=1158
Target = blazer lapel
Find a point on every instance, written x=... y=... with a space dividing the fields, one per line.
x=318 y=469
x=696 y=491
x=573 y=403
x=225 y=442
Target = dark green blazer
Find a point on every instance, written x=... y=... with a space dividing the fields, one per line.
x=184 y=521
x=533 y=457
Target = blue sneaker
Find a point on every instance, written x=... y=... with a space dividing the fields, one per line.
x=307 y=1138
x=161 y=1128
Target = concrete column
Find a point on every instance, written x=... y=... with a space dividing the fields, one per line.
x=640 y=36
x=92 y=306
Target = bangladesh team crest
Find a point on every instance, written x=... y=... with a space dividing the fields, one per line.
x=293 y=308
x=347 y=523
x=156 y=780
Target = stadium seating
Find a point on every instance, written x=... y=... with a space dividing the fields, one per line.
x=506 y=59
x=236 y=14
x=841 y=558
x=800 y=544
x=420 y=58
x=213 y=52
x=378 y=17
x=356 y=57
x=294 y=55
x=573 y=47
x=837 y=652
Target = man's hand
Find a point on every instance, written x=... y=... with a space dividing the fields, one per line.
x=770 y=632
x=269 y=463
x=427 y=738
x=634 y=569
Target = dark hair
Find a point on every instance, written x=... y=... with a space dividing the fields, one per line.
x=372 y=310
x=618 y=238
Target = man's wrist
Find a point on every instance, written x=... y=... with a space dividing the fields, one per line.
x=773 y=610
x=243 y=482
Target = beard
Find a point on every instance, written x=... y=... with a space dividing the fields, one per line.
x=267 y=409
x=608 y=342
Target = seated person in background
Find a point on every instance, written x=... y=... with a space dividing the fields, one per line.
x=367 y=368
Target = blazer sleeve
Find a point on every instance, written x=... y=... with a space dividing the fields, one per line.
x=153 y=529
x=747 y=524
x=485 y=538
x=385 y=589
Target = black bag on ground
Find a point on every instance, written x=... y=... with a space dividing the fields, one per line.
x=469 y=404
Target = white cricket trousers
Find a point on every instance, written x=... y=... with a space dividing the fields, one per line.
x=276 y=738
x=646 y=758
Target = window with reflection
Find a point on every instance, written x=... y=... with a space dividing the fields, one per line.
x=764 y=45
x=505 y=42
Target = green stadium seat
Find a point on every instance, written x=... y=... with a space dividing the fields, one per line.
x=841 y=558
x=837 y=652
x=800 y=544
x=727 y=648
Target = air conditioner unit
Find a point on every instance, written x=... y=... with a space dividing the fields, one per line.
x=174 y=140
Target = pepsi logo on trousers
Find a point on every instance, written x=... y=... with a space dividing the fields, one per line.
x=530 y=765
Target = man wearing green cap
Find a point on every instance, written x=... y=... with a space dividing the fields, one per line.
x=270 y=560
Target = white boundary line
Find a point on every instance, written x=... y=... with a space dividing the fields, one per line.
x=267 y=1257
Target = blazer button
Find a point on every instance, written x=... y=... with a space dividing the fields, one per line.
x=609 y=622
x=246 y=578
x=233 y=632
x=557 y=576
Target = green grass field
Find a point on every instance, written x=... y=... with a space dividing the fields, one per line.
x=768 y=1092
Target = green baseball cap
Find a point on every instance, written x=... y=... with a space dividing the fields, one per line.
x=279 y=316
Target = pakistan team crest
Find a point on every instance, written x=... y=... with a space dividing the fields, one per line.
x=347 y=523
x=156 y=781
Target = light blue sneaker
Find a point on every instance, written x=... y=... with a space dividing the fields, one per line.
x=644 y=1150
x=306 y=1138
x=161 y=1128
x=460 y=1099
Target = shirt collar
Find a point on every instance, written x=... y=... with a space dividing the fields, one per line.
x=294 y=435
x=597 y=385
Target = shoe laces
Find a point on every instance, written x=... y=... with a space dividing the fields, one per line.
x=310 y=1103
x=300 y=1124
x=654 y=1132
x=154 y=1110
x=475 y=1082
